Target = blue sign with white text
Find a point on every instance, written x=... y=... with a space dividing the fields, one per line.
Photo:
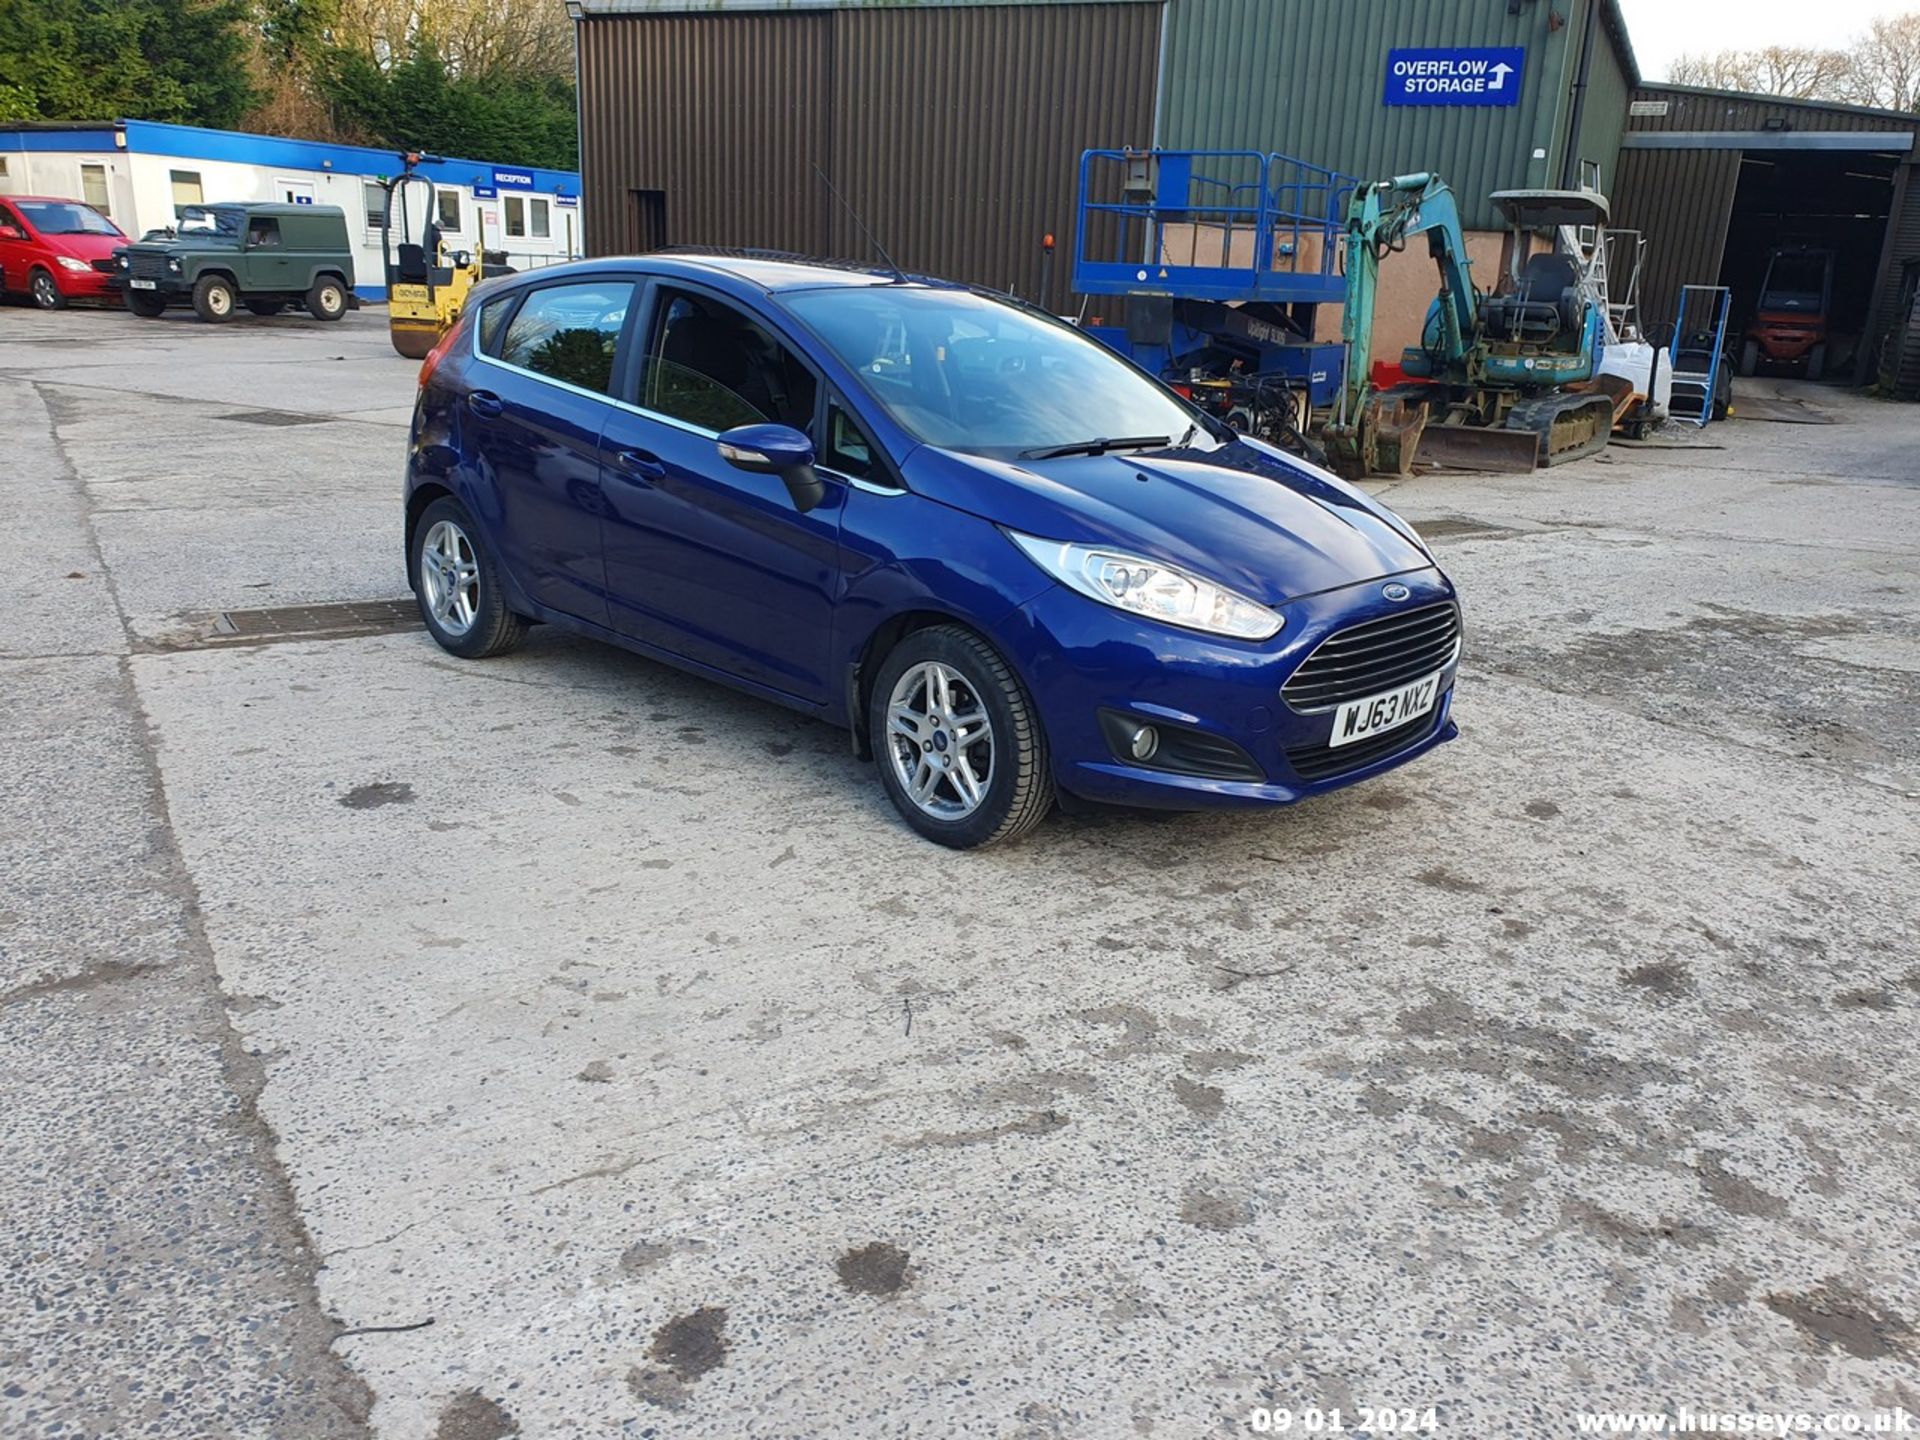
x=512 y=180
x=1483 y=75
x=485 y=192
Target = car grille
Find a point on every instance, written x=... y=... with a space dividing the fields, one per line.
x=1365 y=659
x=1323 y=762
x=148 y=267
x=105 y=267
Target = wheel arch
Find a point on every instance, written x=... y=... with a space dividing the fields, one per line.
x=424 y=494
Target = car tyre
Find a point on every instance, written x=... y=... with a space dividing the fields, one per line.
x=213 y=298
x=1817 y=363
x=45 y=290
x=456 y=580
x=149 y=307
x=327 y=300
x=957 y=741
x=266 y=307
x=1750 y=357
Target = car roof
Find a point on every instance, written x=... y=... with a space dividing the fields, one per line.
x=50 y=200
x=771 y=271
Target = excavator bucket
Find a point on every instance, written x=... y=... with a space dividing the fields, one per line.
x=1391 y=435
x=1481 y=447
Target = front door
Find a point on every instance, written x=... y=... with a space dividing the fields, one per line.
x=712 y=563
x=536 y=402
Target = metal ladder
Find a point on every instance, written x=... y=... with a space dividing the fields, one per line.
x=1693 y=387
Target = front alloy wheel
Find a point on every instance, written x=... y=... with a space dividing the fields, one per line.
x=958 y=744
x=940 y=740
x=46 y=291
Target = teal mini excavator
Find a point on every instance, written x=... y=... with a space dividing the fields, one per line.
x=1488 y=381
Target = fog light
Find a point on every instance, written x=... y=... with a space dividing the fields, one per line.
x=1144 y=742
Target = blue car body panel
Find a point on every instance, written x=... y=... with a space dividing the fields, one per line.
x=627 y=525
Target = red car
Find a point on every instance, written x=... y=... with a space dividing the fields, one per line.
x=54 y=251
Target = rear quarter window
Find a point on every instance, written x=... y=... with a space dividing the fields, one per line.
x=568 y=333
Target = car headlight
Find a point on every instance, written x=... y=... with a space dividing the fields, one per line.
x=67 y=262
x=1151 y=588
x=173 y=264
x=123 y=261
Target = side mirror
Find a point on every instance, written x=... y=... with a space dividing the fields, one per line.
x=12 y=232
x=776 y=450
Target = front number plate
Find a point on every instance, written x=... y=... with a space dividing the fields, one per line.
x=143 y=284
x=1357 y=719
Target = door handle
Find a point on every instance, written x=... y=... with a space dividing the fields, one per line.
x=484 y=402
x=643 y=464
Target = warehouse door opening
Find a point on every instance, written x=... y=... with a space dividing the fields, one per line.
x=646 y=221
x=1818 y=218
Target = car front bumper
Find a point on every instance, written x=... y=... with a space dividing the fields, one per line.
x=1081 y=658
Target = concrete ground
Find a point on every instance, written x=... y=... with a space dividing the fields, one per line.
x=560 y=1046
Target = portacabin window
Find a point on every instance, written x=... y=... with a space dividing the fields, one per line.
x=93 y=188
x=538 y=218
x=447 y=203
x=186 y=188
x=568 y=333
x=516 y=216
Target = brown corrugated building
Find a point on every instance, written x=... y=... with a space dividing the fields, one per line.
x=954 y=130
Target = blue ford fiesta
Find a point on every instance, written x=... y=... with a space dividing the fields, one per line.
x=1016 y=568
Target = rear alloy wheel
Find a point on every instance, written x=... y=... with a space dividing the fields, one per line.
x=149 y=307
x=457 y=585
x=45 y=292
x=960 y=751
x=327 y=300
x=213 y=298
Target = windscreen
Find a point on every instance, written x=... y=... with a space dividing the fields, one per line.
x=66 y=217
x=1795 y=282
x=966 y=372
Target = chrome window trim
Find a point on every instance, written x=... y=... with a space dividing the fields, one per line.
x=483 y=358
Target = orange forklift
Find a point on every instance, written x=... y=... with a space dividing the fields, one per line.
x=1789 y=326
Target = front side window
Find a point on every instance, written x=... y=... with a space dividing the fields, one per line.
x=263 y=234
x=568 y=332
x=847 y=449
x=93 y=186
x=516 y=216
x=53 y=217
x=967 y=372
x=711 y=366
x=186 y=188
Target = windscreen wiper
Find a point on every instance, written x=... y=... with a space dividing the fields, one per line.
x=1098 y=447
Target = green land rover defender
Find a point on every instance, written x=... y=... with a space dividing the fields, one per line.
x=265 y=257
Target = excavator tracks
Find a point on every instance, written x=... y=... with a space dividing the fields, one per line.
x=1570 y=426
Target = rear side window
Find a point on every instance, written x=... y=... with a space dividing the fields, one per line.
x=567 y=332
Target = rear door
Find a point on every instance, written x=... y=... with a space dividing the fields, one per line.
x=535 y=404
x=703 y=560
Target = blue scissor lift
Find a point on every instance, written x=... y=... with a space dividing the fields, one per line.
x=1224 y=257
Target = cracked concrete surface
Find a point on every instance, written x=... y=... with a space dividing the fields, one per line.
x=610 y=1021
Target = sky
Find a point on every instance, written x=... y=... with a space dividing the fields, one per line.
x=1662 y=29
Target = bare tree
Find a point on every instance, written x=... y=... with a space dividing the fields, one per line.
x=1881 y=67
x=1885 y=65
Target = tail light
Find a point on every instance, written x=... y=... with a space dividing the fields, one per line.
x=440 y=348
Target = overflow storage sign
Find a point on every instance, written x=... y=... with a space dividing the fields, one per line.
x=1488 y=75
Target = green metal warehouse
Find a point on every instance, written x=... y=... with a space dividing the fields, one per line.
x=954 y=129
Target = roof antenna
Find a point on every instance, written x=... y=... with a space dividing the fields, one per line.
x=898 y=273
